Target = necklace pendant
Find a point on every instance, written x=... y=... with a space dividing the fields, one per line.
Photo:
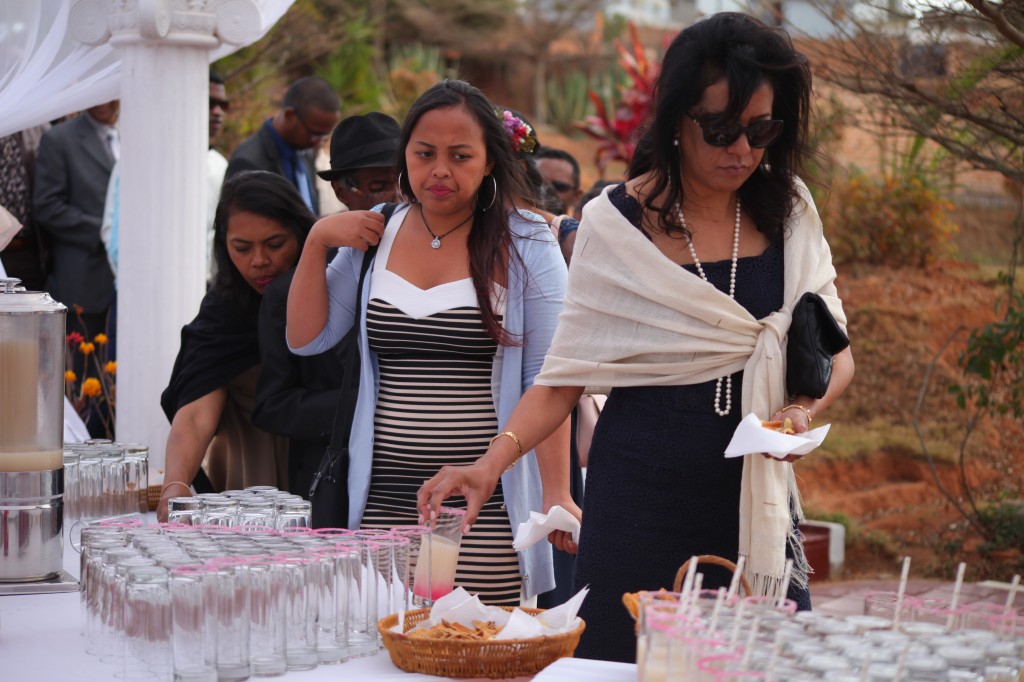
x=436 y=243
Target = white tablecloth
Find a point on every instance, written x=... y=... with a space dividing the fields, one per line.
x=41 y=641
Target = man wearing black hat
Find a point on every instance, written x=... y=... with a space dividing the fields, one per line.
x=363 y=150
x=296 y=396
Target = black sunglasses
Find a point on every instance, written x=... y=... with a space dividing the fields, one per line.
x=759 y=134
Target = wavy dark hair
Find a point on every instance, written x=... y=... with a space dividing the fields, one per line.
x=746 y=53
x=265 y=194
x=490 y=241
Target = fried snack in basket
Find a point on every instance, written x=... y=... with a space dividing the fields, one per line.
x=631 y=600
x=483 y=630
x=785 y=426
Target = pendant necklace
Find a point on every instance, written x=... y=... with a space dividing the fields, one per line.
x=436 y=243
x=719 y=410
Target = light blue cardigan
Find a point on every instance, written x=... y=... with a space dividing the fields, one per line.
x=531 y=312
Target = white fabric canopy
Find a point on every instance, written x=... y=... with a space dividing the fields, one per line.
x=46 y=73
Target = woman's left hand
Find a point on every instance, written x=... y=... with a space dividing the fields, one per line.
x=800 y=417
x=562 y=539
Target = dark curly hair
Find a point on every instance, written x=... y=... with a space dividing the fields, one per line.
x=490 y=241
x=265 y=194
x=747 y=54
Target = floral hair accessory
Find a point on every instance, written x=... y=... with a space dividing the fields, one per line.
x=521 y=134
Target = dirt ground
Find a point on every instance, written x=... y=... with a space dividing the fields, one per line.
x=877 y=477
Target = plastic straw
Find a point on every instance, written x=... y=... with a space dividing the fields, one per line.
x=787 y=575
x=956 y=593
x=902 y=590
x=715 y=612
x=1014 y=586
x=736 y=625
x=691 y=571
x=748 y=646
x=776 y=650
x=737 y=574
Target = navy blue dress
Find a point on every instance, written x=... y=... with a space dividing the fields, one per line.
x=658 y=487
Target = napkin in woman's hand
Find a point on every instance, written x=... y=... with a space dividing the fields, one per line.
x=751 y=438
x=540 y=525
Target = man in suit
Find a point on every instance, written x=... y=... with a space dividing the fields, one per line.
x=297 y=396
x=72 y=170
x=285 y=143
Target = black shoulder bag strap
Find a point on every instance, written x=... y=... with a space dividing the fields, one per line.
x=334 y=465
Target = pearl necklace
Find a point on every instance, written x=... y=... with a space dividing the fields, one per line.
x=732 y=294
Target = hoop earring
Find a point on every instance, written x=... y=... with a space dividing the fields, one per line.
x=494 y=195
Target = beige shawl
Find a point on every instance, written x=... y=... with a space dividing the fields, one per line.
x=632 y=317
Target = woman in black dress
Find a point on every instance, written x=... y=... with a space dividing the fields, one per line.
x=680 y=296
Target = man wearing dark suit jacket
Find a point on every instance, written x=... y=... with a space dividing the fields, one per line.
x=286 y=142
x=297 y=396
x=72 y=170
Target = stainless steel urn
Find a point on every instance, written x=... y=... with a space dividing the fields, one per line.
x=31 y=434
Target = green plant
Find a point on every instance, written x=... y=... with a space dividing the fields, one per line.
x=413 y=69
x=349 y=67
x=897 y=220
x=567 y=101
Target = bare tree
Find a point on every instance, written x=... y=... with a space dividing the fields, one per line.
x=951 y=74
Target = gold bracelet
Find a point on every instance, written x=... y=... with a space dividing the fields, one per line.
x=168 y=485
x=800 y=407
x=519 y=447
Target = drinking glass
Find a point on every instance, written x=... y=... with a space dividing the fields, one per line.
x=882 y=603
x=147 y=624
x=435 y=569
x=935 y=611
x=415 y=535
x=217 y=510
x=394 y=570
x=332 y=603
x=102 y=611
x=184 y=510
x=362 y=582
x=267 y=631
x=293 y=513
x=232 y=617
x=90 y=482
x=136 y=469
x=298 y=579
x=193 y=637
x=256 y=511
x=71 y=492
x=113 y=481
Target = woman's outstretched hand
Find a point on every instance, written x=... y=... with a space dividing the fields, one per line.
x=475 y=482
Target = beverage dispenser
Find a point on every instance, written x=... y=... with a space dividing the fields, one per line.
x=31 y=434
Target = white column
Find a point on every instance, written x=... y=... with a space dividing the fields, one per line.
x=164 y=140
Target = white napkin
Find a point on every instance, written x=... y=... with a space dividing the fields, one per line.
x=540 y=525
x=752 y=438
x=562 y=618
x=461 y=607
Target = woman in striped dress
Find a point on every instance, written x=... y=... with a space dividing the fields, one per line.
x=459 y=309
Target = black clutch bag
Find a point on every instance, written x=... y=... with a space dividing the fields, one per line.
x=814 y=338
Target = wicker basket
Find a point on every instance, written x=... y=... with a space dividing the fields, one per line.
x=631 y=600
x=493 y=659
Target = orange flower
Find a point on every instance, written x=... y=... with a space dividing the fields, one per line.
x=91 y=388
x=110 y=367
x=100 y=339
x=86 y=347
x=69 y=377
x=78 y=309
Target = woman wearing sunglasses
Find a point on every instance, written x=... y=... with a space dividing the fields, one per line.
x=680 y=297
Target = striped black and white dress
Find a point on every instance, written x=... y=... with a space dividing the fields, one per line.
x=435 y=407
